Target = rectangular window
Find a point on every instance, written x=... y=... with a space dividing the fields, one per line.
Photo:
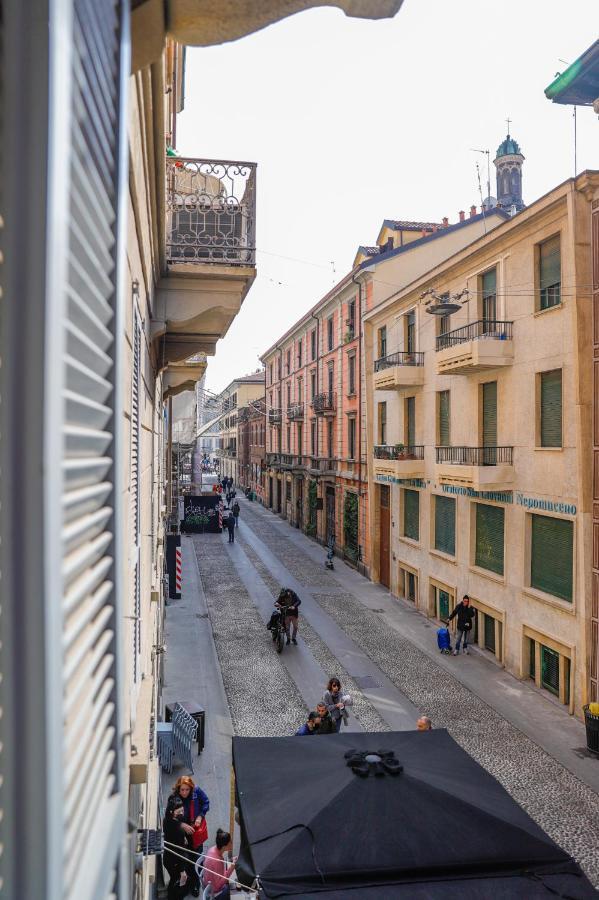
x=443 y=413
x=288 y=439
x=288 y=394
x=288 y=491
x=489 y=300
x=550 y=273
x=489 y=633
x=551 y=408
x=445 y=525
x=411 y=332
x=331 y=378
x=270 y=373
x=351 y=438
x=552 y=556
x=411 y=514
x=532 y=660
x=288 y=363
x=444 y=324
x=410 y=421
x=489 y=429
x=550 y=669
x=443 y=604
x=330 y=453
x=313 y=438
x=299 y=354
x=313 y=344
x=330 y=333
x=312 y=385
x=300 y=439
x=382 y=423
x=488 y=553
x=351 y=374
x=382 y=342
x=351 y=317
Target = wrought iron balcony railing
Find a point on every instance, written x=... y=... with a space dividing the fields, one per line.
x=475 y=331
x=399 y=359
x=274 y=416
x=273 y=459
x=325 y=403
x=399 y=451
x=476 y=456
x=323 y=464
x=287 y=460
x=210 y=211
x=295 y=412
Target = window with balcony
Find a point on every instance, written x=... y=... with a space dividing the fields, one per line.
x=300 y=438
x=351 y=437
x=330 y=333
x=351 y=374
x=549 y=273
x=489 y=540
x=288 y=439
x=443 y=419
x=488 y=289
x=382 y=423
x=445 y=524
x=411 y=331
x=552 y=556
x=330 y=452
x=382 y=342
x=489 y=423
x=300 y=390
x=331 y=379
x=312 y=385
x=313 y=344
x=313 y=439
x=288 y=394
x=549 y=390
x=410 y=421
x=411 y=514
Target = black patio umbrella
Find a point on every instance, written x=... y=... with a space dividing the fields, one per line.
x=412 y=816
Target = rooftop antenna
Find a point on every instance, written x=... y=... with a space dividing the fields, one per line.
x=480 y=191
x=488 y=155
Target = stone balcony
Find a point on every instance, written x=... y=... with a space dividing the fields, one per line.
x=481 y=345
x=325 y=404
x=479 y=468
x=398 y=370
x=210 y=250
x=399 y=461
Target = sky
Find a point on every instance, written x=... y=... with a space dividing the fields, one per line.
x=352 y=121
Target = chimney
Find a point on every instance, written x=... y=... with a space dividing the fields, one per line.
x=445 y=221
x=462 y=215
x=472 y=211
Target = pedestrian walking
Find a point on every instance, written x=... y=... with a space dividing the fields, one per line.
x=465 y=616
x=195 y=806
x=325 y=723
x=310 y=726
x=288 y=603
x=337 y=702
x=175 y=833
x=424 y=724
x=236 y=510
x=231 y=527
x=217 y=872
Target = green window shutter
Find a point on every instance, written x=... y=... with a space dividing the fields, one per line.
x=550 y=272
x=489 y=290
x=550 y=669
x=490 y=414
x=551 y=408
x=411 y=514
x=444 y=419
x=443 y=604
x=552 y=543
x=489 y=633
x=445 y=525
x=411 y=420
x=489 y=537
x=411 y=332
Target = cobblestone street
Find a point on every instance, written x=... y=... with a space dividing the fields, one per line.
x=357 y=631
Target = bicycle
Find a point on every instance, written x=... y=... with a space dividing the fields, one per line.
x=276 y=626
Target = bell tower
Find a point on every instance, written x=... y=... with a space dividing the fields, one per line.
x=508 y=162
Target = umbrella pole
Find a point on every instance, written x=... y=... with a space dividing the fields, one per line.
x=232 y=805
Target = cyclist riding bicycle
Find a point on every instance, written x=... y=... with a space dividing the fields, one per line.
x=288 y=603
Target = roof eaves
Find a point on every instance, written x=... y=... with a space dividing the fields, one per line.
x=579 y=83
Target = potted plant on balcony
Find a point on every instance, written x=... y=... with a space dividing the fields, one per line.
x=400 y=451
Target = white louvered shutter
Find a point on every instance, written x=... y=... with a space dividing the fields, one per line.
x=136 y=383
x=61 y=404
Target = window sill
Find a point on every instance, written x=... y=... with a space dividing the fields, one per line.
x=550 y=449
x=488 y=574
x=417 y=545
x=444 y=556
x=542 y=312
x=351 y=395
x=550 y=600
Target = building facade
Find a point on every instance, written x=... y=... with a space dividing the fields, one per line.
x=230 y=425
x=479 y=440
x=252 y=447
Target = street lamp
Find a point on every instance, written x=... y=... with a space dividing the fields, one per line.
x=444 y=304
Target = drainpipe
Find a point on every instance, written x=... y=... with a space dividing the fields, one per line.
x=367 y=270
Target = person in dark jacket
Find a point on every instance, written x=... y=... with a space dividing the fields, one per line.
x=231 y=527
x=288 y=603
x=175 y=833
x=310 y=726
x=465 y=616
x=195 y=806
x=236 y=509
x=326 y=724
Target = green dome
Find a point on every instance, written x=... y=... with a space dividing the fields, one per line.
x=508 y=147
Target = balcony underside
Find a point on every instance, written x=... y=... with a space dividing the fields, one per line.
x=194 y=307
x=182 y=376
x=479 y=478
x=398 y=468
x=398 y=377
x=475 y=356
